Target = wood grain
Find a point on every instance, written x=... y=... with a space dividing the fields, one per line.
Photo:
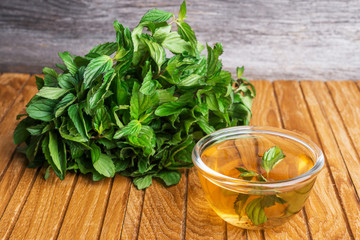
x=132 y=219
x=163 y=211
x=11 y=85
x=294 y=40
x=321 y=108
x=347 y=100
x=9 y=123
x=201 y=221
x=15 y=205
x=323 y=208
x=86 y=210
x=115 y=211
x=266 y=113
x=44 y=208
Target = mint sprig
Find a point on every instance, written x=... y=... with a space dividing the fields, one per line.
x=255 y=208
x=127 y=107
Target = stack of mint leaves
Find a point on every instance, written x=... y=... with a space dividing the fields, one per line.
x=128 y=108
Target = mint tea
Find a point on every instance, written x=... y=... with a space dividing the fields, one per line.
x=257 y=161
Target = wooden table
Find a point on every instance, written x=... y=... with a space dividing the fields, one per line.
x=77 y=208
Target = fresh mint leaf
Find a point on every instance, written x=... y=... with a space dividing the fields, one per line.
x=271 y=157
x=69 y=62
x=156 y=16
x=56 y=152
x=42 y=109
x=176 y=44
x=96 y=67
x=239 y=203
x=255 y=211
x=182 y=12
x=51 y=92
x=134 y=105
x=20 y=133
x=187 y=33
x=65 y=102
x=105 y=48
x=133 y=128
x=143 y=182
x=76 y=117
x=105 y=166
x=170 y=177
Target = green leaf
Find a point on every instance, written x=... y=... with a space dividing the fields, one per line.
x=46 y=151
x=55 y=151
x=66 y=101
x=20 y=133
x=247 y=174
x=142 y=182
x=33 y=147
x=148 y=86
x=239 y=203
x=101 y=120
x=255 y=211
x=69 y=62
x=271 y=157
x=182 y=12
x=47 y=173
x=105 y=166
x=133 y=128
x=107 y=48
x=101 y=92
x=75 y=115
x=156 y=16
x=42 y=109
x=161 y=33
x=157 y=52
x=176 y=44
x=36 y=129
x=169 y=108
x=51 y=92
x=170 y=177
x=187 y=33
x=67 y=81
x=96 y=67
x=191 y=81
x=39 y=82
x=140 y=103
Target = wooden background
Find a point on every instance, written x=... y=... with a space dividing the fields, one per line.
x=279 y=39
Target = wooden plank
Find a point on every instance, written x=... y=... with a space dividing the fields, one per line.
x=266 y=113
x=324 y=211
x=293 y=46
x=133 y=213
x=164 y=211
x=201 y=221
x=8 y=124
x=15 y=205
x=44 y=208
x=322 y=109
x=347 y=100
x=85 y=213
x=10 y=179
x=115 y=212
x=11 y=84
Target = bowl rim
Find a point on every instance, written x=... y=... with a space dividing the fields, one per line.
x=212 y=175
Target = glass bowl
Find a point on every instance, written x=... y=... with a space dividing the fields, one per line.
x=254 y=201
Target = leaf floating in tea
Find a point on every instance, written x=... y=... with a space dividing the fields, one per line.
x=255 y=208
x=271 y=157
x=240 y=203
x=248 y=175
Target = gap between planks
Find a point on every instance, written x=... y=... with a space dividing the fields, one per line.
x=327 y=164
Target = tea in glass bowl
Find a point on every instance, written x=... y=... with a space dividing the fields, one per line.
x=257 y=177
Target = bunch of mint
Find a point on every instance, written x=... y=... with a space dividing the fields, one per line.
x=126 y=107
